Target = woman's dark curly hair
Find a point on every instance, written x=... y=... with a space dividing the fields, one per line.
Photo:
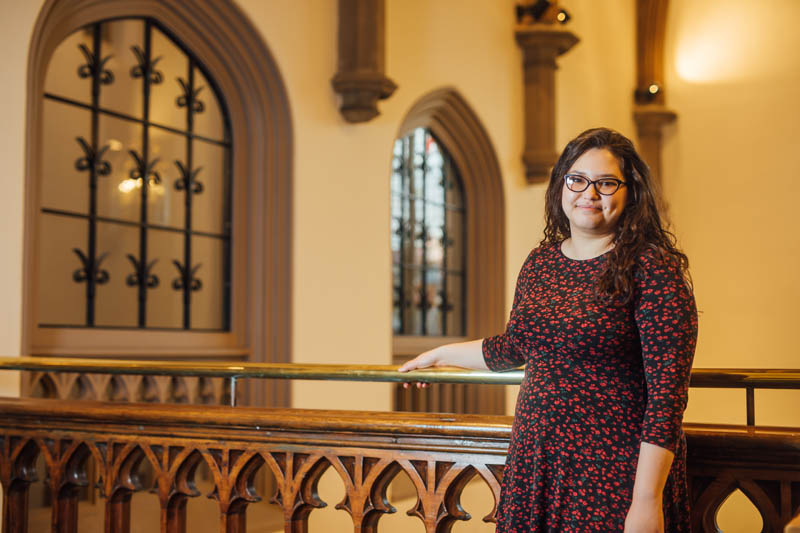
x=640 y=229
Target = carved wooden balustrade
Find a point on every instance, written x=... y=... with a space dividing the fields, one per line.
x=440 y=454
x=367 y=450
x=125 y=388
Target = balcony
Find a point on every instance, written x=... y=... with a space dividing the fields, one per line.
x=242 y=455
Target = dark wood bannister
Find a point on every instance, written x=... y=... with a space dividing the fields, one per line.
x=439 y=453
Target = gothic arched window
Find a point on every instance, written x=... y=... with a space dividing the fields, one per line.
x=427 y=239
x=447 y=241
x=135 y=190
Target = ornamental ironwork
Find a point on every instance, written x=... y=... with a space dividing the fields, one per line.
x=120 y=64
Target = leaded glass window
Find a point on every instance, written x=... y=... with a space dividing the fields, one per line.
x=427 y=238
x=135 y=185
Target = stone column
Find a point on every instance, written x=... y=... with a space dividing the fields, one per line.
x=650 y=120
x=650 y=111
x=541 y=43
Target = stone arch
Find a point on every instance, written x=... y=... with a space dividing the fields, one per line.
x=231 y=48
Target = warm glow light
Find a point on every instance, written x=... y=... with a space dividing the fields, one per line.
x=128 y=185
x=653 y=89
x=561 y=16
x=114 y=145
x=724 y=42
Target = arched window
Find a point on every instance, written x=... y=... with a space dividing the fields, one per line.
x=427 y=238
x=179 y=122
x=447 y=240
x=135 y=186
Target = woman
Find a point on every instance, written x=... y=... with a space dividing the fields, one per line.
x=604 y=320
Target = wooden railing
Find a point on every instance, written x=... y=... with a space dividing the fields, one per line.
x=439 y=453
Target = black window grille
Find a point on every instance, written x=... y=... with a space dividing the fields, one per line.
x=135 y=184
x=427 y=238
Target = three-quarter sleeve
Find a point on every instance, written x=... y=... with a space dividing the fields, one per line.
x=666 y=318
x=501 y=352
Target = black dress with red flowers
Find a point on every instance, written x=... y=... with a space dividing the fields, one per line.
x=600 y=378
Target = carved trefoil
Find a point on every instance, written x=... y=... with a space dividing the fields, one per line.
x=360 y=79
x=541 y=44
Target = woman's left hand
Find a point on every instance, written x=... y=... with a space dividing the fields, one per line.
x=645 y=516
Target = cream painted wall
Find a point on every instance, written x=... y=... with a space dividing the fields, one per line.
x=16 y=27
x=730 y=160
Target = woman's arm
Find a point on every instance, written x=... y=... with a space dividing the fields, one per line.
x=645 y=514
x=666 y=318
x=463 y=354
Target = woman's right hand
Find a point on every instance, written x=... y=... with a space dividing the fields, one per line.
x=461 y=354
x=423 y=360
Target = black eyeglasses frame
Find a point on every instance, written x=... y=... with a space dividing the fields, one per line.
x=619 y=183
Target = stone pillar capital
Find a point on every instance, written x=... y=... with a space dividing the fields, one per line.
x=541 y=42
x=650 y=120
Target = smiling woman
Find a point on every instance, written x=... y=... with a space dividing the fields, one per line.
x=593 y=197
x=605 y=323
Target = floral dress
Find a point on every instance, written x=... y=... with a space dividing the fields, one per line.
x=600 y=378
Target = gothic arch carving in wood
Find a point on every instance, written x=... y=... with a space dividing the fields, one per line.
x=228 y=45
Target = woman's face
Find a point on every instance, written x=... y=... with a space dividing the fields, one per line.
x=589 y=212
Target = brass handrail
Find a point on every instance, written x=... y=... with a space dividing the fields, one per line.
x=374 y=373
x=701 y=377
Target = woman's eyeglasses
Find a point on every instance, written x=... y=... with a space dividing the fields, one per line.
x=604 y=186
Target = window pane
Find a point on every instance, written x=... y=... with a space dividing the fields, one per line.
x=60 y=299
x=434 y=252
x=414 y=316
x=116 y=303
x=208 y=303
x=63 y=185
x=455 y=300
x=209 y=207
x=208 y=122
x=395 y=240
x=455 y=240
x=118 y=194
x=397 y=301
x=125 y=94
x=124 y=171
x=432 y=217
x=164 y=303
x=434 y=179
x=172 y=65
x=165 y=203
x=62 y=77
x=433 y=289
